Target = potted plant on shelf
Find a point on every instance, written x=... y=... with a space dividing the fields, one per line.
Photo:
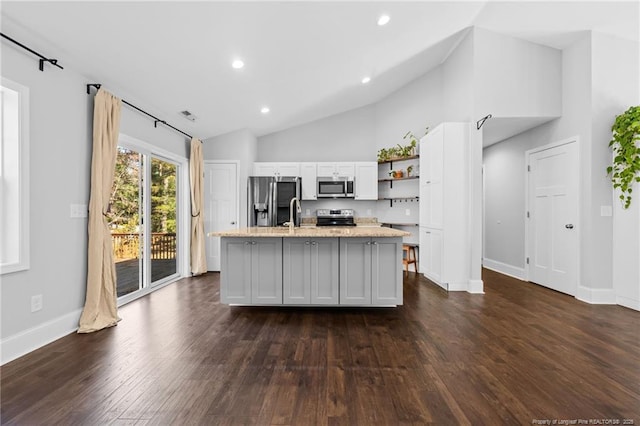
x=399 y=152
x=625 y=170
x=396 y=174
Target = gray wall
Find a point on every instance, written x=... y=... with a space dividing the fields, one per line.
x=593 y=93
x=236 y=146
x=61 y=116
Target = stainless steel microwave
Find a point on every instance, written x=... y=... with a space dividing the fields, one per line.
x=336 y=187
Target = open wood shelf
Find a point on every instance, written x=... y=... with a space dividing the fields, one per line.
x=398 y=224
x=394 y=179
x=412 y=157
x=392 y=199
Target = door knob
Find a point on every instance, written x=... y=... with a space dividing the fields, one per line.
x=569 y=226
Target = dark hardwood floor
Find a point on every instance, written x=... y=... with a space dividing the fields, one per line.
x=517 y=354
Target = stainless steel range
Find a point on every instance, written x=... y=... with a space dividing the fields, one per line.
x=340 y=217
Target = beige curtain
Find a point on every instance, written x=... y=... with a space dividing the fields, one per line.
x=100 y=307
x=196 y=168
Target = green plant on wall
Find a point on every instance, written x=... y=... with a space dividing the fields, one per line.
x=625 y=170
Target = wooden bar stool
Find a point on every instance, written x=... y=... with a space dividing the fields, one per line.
x=409 y=257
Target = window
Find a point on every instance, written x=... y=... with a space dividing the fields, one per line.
x=14 y=177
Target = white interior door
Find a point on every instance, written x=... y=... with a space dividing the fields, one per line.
x=553 y=217
x=221 y=205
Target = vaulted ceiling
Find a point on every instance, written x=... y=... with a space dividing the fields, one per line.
x=304 y=60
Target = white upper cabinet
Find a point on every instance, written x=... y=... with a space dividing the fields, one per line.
x=366 y=180
x=276 y=169
x=336 y=169
x=309 y=182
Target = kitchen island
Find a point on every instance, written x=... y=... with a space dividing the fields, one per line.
x=320 y=266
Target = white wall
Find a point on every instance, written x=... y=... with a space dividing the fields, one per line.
x=615 y=88
x=458 y=82
x=61 y=116
x=412 y=107
x=349 y=136
x=514 y=77
x=236 y=146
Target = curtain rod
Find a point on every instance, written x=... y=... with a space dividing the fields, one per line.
x=156 y=120
x=43 y=59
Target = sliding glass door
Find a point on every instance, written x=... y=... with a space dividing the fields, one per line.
x=144 y=220
x=126 y=211
x=164 y=205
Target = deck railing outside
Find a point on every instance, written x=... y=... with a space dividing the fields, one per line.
x=127 y=246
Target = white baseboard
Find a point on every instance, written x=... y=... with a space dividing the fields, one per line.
x=504 y=268
x=476 y=287
x=458 y=286
x=628 y=303
x=29 y=340
x=596 y=296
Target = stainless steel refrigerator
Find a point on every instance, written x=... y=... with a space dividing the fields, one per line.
x=268 y=200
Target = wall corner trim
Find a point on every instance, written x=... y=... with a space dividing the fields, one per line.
x=476 y=287
x=33 y=338
x=596 y=296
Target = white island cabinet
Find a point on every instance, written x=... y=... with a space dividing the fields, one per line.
x=310 y=271
x=253 y=271
x=369 y=271
x=313 y=266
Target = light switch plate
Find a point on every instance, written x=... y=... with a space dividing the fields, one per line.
x=78 y=210
x=36 y=303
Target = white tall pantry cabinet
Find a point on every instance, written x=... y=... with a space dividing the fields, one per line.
x=444 y=206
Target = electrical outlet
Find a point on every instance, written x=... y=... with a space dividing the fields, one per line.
x=407 y=212
x=36 y=303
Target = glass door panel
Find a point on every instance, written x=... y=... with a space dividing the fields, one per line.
x=126 y=220
x=163 y=221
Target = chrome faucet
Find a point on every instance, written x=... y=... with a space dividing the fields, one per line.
x=291 y=222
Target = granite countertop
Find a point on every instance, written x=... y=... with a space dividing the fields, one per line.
x=317 y=232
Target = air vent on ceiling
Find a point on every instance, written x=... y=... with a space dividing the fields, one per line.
x=187 y=114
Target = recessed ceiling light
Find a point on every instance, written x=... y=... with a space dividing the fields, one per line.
x=265 y=110
x=237 y=64
x=383 y=20
x=366 y=79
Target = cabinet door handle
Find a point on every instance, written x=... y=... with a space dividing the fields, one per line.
x=253 y=243
x=306 y=243
x=569 y=226
x=233 y=223
x=375 y=243
x=313 y=243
